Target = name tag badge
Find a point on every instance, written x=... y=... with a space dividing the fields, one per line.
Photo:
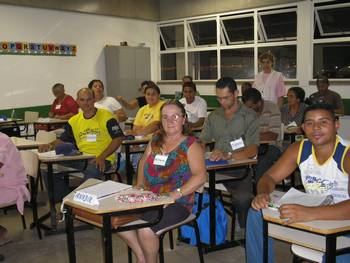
x=160 y=159
x=58 y=106
x=237 y=144
x=91 y=138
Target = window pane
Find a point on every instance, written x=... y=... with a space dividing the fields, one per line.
x=285 y=59
x=172 y=66
x=239 y=29
x=173 y=36
x=237 y=63
x=202 y=65
x=335 y=21
x=332 y=60
x=204 y=33
x=279 y=26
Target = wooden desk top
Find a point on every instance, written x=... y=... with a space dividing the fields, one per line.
x=109 y=204
x=319 y=226
x=59 y=158
x=23 y=144
x=49 y=121
x=232 y=164
x=9 y=120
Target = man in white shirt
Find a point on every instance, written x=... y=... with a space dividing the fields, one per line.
x=196 y=107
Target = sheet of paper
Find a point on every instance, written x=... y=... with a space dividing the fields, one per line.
x=105 y=189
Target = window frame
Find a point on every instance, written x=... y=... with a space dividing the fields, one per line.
x=162 y=37
x=233 y=17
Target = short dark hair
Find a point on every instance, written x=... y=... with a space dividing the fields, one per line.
x=190 y=85
x=92 y=82
x=299 y=93
x=58 y=86
x=187 y=77
x=146 y=82
x=152 y=85
x=226 y=82
x=322 y=79
x=320 y=106
x=252 y=95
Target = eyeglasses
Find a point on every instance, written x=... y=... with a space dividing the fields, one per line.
x=174 y=117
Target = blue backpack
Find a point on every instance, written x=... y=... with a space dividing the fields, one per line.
x=187 y=232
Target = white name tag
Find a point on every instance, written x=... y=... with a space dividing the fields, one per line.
x=237 y=144
x=91 y=138
x=86 y=198
x=160 y=159
x=58 y=106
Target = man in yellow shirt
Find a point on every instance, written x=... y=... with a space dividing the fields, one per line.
x=94 y=131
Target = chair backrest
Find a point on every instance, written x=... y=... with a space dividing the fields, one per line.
x=45 y=136
x=30 y=162
x=31 y=116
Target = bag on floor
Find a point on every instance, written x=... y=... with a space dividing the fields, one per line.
x=188 y=232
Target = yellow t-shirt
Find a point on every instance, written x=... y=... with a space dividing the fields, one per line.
x=146 y=115
x=92 y=136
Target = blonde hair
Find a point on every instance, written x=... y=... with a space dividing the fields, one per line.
x=267 y=55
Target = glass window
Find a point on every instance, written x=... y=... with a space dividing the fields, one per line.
x=332 y=59
x=203 y=33
x=239 y=30
x=172 y=66
x=278 y=26
x=172 y=36
x=203 y=64
x=333 y=21
x=285 y=59
x=237 y=63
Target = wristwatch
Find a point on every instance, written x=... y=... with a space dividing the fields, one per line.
x=179 y=191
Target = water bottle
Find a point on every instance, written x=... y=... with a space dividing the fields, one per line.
x=13 y=114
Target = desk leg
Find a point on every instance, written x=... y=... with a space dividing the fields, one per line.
x=70 y=235
x=128 y=165
x=107 y=239
x=51 y=191
x=331 y=245
x=265 y=241
x=212 y=208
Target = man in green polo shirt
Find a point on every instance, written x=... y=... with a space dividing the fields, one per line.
x=235 y=130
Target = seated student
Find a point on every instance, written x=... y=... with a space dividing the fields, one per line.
x=329 y=158
x=235 y=130
x=324 y=95
x=196 y=107
x=64 y=106
x=147 y=119
x=293 y=111
x=94 y=131
x=178 y=181
x=270 y=129
x=13 y=179
x=245 y=86
x=138 y=102
x=107 y=103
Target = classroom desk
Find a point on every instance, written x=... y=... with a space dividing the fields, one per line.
x=50 y=161
x=24 y=144
x=318 y=235
x=49 y=123
x=212 y=169
x=107 y=208
x=127 y=146
x=9 y=120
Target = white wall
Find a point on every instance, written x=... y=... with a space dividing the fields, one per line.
x=27 y=80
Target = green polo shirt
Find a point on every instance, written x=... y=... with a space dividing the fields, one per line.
x=244 y=124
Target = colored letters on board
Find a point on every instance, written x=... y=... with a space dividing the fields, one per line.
x=38 y=49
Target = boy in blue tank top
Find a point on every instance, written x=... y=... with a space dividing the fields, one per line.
x=324 y=163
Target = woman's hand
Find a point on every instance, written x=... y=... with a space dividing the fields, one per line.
x=296 y=213
x=261 y=201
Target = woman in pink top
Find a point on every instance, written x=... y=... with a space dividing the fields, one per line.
x=13 y=177
x=270 y=82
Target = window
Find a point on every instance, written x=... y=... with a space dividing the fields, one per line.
x=278 y=25
x=332 y=20
x=172 y=66
x=238 y=29
x=203 y=65
x=332 y=59
x=237 y=63
x=202 y=33
x=285 y=59
x=172 y=36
